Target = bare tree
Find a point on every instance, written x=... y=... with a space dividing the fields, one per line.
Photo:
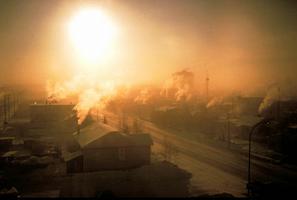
x=170 y=151
x=137 y=126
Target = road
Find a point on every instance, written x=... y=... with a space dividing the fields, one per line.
x=215 y=169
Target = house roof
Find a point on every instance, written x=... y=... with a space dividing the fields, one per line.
x=7 y=138
x=17 y=154
x=117 y=139
x=92 y=132
x=100 y=135
x=9 y=154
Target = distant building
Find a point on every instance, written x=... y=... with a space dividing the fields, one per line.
x=240 y=127
x=61 y=116
x=246 y=105
x=279 y=109
x=174 y=116
x=101 y=147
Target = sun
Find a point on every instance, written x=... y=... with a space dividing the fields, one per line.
x=92 y=33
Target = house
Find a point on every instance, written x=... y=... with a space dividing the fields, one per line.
x=102 y=147
x=9 y=156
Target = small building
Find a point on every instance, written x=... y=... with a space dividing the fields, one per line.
x=14 y=155
x=6 y=143
x=104 y=148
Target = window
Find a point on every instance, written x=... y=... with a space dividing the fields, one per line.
x=122 y=153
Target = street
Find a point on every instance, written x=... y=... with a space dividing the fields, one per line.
x=215 y=169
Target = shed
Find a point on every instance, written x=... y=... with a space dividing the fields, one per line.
x=6 y=143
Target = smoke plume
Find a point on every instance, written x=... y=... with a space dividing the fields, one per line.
x=144 y=96
x=273 y=95
x=181 y=83
x=215 y=101
x=91 y=93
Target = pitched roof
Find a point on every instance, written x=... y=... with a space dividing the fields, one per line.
x=100 y=135
x=117 y=139
x=7 y=138
x=17 y=154
x=92 y=132
x=9 y=154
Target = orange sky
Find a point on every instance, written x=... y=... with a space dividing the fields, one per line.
x=244 y=45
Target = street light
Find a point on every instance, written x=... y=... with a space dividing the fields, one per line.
x=263 y=121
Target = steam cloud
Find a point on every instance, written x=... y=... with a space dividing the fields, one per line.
x=181 y=83
x=273 y=95
x=215 y=101
x=90 y=93
x=144 y=96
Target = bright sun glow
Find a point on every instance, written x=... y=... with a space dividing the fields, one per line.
x=92 y=34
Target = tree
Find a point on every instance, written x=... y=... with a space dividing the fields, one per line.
x=137 y=126
x=170 y=151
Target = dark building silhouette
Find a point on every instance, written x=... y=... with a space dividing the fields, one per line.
x=101 y=147
x=61 y=116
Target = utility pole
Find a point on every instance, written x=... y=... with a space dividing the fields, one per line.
x=4 y=109
x=278 y=105
x=14 y=102
x=207 y=87
x=8 y=107
x=228 y=129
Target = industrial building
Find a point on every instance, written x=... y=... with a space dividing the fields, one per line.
x=61 y=116
x=102 y=147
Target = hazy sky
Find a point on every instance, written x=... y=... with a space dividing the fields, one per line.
x=243 y=44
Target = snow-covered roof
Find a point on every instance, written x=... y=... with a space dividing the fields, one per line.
x=100 y=135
